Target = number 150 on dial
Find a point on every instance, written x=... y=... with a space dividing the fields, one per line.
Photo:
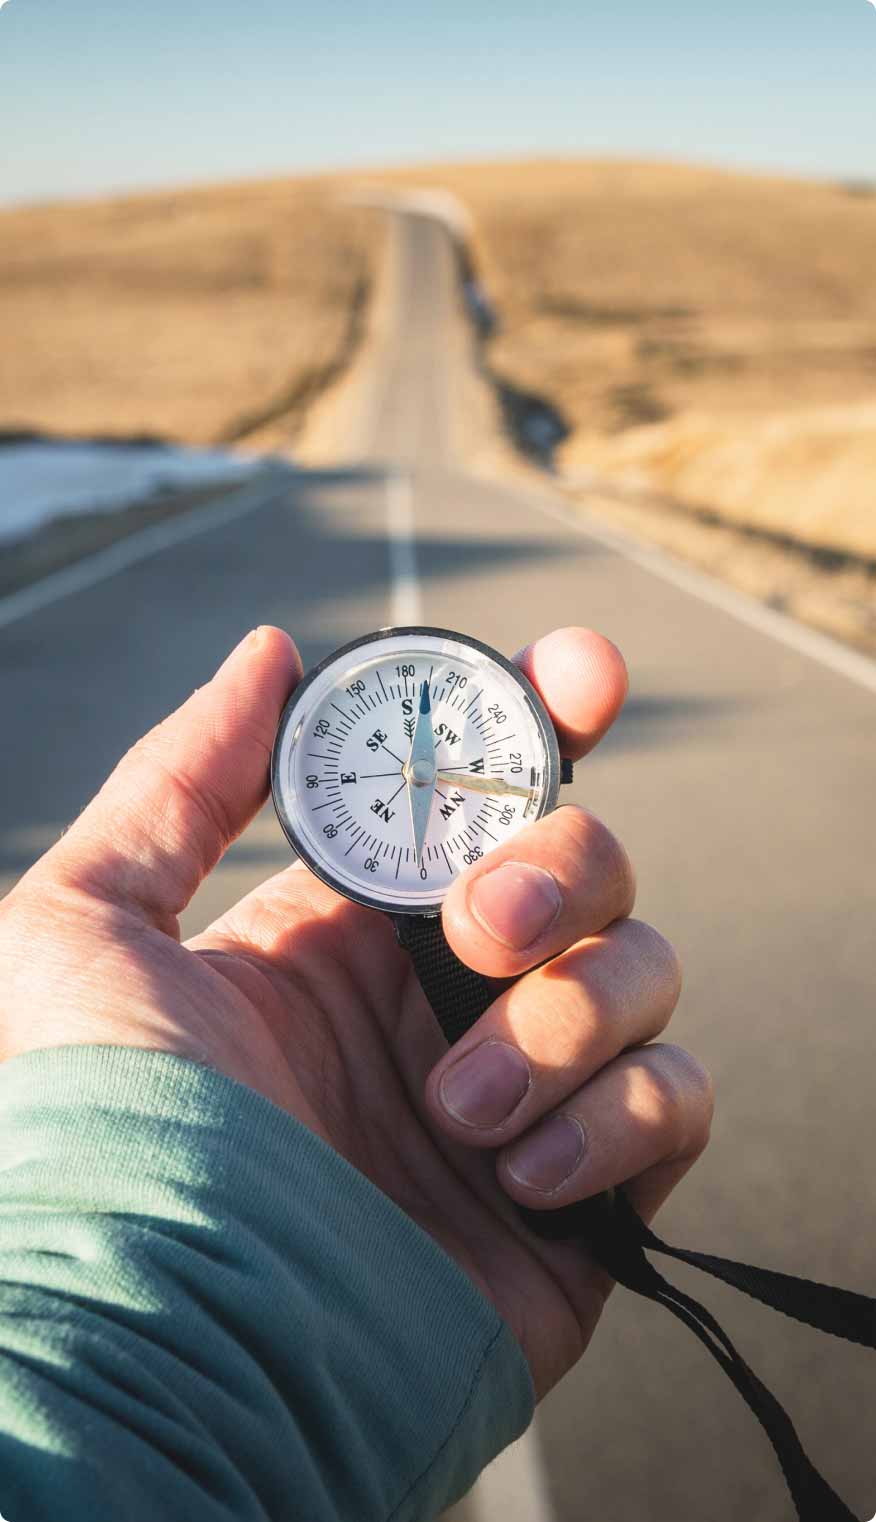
x=406 y=756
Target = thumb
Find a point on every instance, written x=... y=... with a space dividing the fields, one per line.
x=185 y=791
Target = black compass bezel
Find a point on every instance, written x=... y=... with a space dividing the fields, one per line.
x=296 y=705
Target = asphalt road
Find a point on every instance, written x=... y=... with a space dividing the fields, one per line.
x=741 y=779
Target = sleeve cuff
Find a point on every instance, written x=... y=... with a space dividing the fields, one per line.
x=318 y=1336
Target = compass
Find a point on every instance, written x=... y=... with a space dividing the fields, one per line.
x=405 y=757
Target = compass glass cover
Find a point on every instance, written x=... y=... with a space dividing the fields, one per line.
x=405 y=758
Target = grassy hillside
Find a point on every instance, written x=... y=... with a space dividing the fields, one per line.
x=190 y=314
x=707 y=334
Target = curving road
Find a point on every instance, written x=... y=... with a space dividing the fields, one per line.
x=741 y=778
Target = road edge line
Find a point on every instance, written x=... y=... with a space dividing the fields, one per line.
x=130 y=549
x=841 y=659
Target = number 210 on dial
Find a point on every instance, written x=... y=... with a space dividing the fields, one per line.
x=404 y=758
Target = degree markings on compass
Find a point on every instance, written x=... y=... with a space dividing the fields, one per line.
x=482 y=827
x=317 y=756
x=447 y=859
x=382 y=688
x=342 y=714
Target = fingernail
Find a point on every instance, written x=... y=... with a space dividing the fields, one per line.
x=485 y=1085
x=516 y=902
x=247 y=639
x=550 y=1155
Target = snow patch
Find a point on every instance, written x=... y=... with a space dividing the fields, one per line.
x=42 y=479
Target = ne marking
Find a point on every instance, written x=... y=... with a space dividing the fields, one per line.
x=405 y=602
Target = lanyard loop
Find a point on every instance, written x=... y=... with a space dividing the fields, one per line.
x=619 y=1240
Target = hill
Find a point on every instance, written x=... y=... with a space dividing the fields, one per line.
x=191 y=315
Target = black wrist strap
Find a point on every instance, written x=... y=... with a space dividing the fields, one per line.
x=619 y=1240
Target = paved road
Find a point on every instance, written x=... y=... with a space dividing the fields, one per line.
x=741 y=778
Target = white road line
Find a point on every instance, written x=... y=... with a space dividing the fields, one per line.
x=513 y=1487
x=405 y=602
x=128 y=551
x=852 y=664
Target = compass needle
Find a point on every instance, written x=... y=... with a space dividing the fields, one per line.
x=405 y=756
x=420 y=772
x=495 y=785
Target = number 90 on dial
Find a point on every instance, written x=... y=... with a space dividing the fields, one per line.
x=405 y=757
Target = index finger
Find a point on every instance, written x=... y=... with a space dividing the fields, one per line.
x=582 y=680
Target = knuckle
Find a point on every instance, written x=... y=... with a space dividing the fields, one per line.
x=684 y=1094
x=659 y=958
x=590 y=842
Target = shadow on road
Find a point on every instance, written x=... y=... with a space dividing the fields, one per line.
x=91 y=672
x=648 y=721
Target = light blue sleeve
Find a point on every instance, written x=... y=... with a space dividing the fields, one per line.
x=206 y=1313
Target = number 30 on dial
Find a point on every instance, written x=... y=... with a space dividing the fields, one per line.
x=406 y=756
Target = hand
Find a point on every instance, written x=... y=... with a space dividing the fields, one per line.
x=308 y=999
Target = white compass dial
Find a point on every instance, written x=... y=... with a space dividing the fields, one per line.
x=404 y=758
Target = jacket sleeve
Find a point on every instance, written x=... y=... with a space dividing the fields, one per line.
x=206 y=1313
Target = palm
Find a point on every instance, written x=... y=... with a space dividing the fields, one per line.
x=328 y=1020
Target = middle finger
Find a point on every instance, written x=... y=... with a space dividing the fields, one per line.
x=552 y=1031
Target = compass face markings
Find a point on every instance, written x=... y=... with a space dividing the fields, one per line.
x=340 y=775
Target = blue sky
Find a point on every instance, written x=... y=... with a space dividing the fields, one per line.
x=109 y=94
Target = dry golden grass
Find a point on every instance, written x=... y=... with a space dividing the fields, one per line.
x=188 y=314
x=708 y=335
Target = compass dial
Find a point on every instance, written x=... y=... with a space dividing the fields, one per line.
x=405 y=757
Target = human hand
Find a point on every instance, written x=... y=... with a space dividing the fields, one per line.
x=307 y=997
